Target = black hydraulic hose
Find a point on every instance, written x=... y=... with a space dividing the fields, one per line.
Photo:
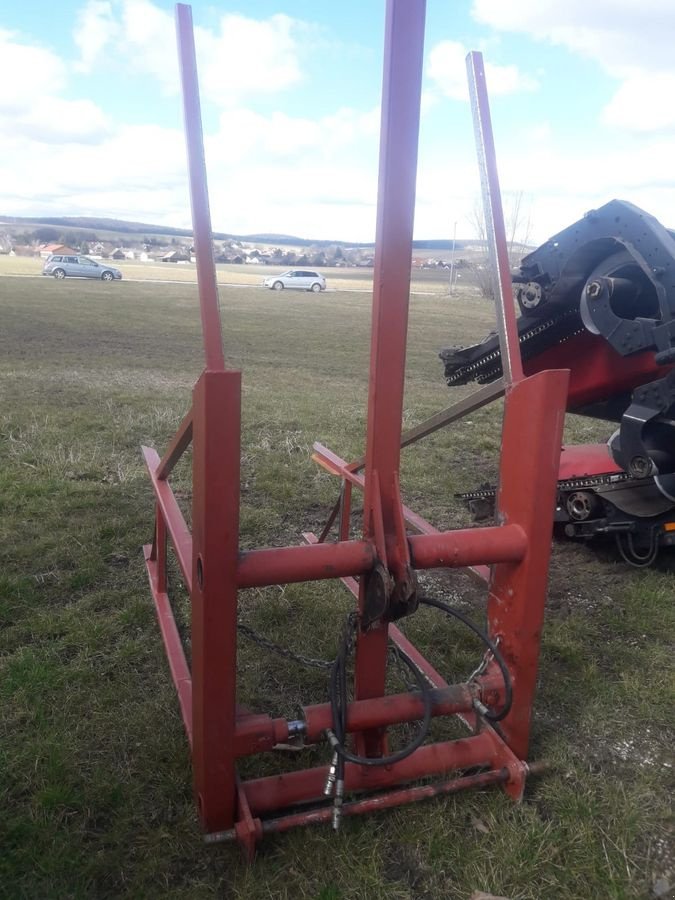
x=339 y=699
x=631 y=556
x=339 y=703
x=492 y=647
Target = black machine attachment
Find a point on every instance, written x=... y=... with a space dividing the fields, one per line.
x=611 y=275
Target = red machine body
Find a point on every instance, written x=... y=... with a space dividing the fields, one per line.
x=379 y=566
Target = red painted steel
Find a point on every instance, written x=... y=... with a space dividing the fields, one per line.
x=248 y=830
x=215 y=522
x=534 y=415
x=258 y=733
x=177 y=446
x=467 y=547
x=172 y=516
x=172 y=642
x=199 y=197
x=582 y=460
x=265 y=795
x=214 y=568
x=596 y=369
x=395 y=634
x=401 y=92
x=348 y=471
x=390 y=709
x=389 y=800
x=284 y=565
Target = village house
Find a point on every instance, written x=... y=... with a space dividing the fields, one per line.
x=47 y=250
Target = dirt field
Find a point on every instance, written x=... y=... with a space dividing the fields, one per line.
x=94 y=770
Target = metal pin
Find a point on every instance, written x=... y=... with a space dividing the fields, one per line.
x=337 y=803
x=480 y=708
x=332 y=774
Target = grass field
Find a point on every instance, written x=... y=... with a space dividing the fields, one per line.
x=427 y=281
x=94 y=771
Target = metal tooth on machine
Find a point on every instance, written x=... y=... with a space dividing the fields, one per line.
x=378 y=567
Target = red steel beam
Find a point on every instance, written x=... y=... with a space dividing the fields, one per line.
x=399 y=132
x=380 y=802
x=172 y=515
x=334 y=464
x=199 y=197
x=389 y=800
x=534 y=414
x=172 y=642
x=391 y=709
x=468 y=546
x=284 y=565
x=316 y=561
x=216 y=458
x=404 y=45
x=291 y=788
x=178 y=445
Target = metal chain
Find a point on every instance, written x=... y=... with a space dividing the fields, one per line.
x=480 y=368
x=571 y=484
x=484 y=663
x=395 y=653
x=285 y=652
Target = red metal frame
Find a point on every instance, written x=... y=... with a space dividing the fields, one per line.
x=214 y=568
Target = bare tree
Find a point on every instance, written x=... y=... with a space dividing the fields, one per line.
x=518 y=227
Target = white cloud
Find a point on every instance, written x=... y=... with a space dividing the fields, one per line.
x=240 y=57
x=643 y=103
x=620 y=35
x=27 y=71
x=629 y=41
x=96 y=28
x=248 y=56
x=147 y=41
x=53 y=120
x=446 y=67
x=31 y=104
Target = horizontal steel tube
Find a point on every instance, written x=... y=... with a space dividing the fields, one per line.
x=313 y=562
x=337 y=466
x=371 y=804
x=258 y=733
x=279 y=791
x=386 y=801
x=389 y=710
x=468 y=547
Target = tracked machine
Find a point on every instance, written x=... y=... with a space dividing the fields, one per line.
x=598 y=299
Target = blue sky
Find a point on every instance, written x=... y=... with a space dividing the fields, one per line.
x=90 y=117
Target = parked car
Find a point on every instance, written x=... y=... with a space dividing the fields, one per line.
x=79 y=267
x=303 y=279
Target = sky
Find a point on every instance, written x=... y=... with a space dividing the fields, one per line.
x=91 y=121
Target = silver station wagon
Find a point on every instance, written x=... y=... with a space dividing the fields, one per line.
x=79 y=267
x=302 y=279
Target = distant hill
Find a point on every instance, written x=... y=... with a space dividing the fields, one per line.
x=95 y=224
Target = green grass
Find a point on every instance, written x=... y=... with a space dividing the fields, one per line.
x=95 y=781
x=360 y=279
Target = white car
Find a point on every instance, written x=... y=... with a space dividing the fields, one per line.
x=302 y=279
